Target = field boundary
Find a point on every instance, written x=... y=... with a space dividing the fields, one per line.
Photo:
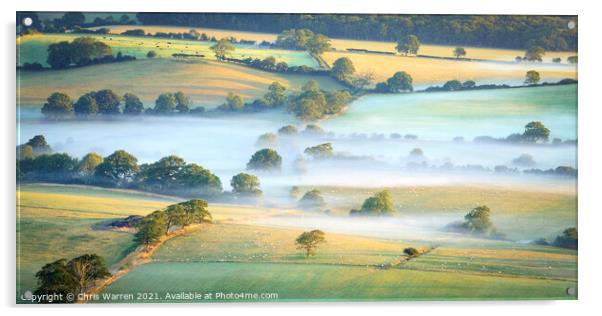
x=136 y=258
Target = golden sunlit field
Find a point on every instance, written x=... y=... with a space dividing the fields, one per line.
x=206 y=82
x=426 y=71
x=498 y=54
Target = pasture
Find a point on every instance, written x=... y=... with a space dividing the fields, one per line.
x=33 y=48
x=237 y=254
x=224 y=258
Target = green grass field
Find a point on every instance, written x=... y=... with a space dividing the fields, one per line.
x=323 y=282
x=33 y=48
x=232 y=255
x=56 y=222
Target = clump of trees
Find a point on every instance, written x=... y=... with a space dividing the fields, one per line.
x=303 y=39
x=313 y=103
x=288 y=130
x=310 y=241
x=535 y=53
x=401 y=81
x=172 y=175
x=265 y=159
x=381 y=204
x=342 y=69
x=275 y=98
x=267 y=140
x=322 y=151
x=524 y=160
x=312 y=200
x=568 y=239
x=408 y=45
x=535 y=132
x=313 y=130
x=70 y=277
x=82 y=51
x=477 y=222
x=245 y=184
x=154 y=226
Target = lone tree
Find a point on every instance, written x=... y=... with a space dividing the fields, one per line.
x=478 y=221
x=535 y=53
x=532 y=77
x=459 y=52
x=58 y=105
x=120 y=167
x=309 y=241
x=222 y=48
x=265 y=159
x=536 y=132
x=380 y=204
x=411 y=252
x=312 y=200
x=342 y=68
x=408 y=45
x=245 y=184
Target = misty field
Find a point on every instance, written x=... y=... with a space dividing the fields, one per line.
x=245 y=251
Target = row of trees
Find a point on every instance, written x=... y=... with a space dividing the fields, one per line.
x=160 y=223
x=107 y=102
x=508 y=31
x=168 y=175
x=311 y=104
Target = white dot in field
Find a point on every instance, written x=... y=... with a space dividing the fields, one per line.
x=571 y=25
x=27 y=21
